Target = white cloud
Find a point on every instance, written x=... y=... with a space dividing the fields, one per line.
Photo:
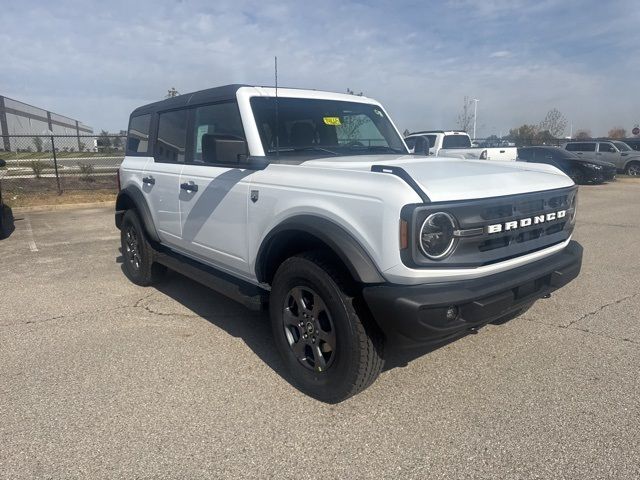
x=520 y=62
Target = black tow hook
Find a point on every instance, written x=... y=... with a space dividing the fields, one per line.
x=546 y=295
x=474 y=330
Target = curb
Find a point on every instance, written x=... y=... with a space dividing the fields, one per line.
x=64 y=206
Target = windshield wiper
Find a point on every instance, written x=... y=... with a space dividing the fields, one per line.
x=314 y=149
x=386 y=148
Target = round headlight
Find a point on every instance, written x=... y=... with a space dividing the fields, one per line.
x=436 y=235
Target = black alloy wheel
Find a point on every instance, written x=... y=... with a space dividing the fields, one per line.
x=309 y=328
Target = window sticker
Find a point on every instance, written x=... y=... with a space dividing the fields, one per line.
x=332 y=121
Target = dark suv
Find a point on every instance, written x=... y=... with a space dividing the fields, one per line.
x=581 y=170
x=6 y=217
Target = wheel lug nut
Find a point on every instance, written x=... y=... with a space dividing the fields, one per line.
x=305 y=335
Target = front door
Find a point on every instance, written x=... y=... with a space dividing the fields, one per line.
x=608 y=153
x=214 y=193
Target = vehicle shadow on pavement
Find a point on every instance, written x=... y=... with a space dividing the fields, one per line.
x=235 y=319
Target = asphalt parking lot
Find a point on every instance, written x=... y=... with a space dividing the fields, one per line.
x=100 y=378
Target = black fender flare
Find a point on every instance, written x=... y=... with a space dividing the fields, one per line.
x=348 y=249
x=129 y=197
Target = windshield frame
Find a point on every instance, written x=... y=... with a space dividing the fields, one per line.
x=320 y=150
x=620 y=145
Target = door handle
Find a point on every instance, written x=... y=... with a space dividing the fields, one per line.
x=189 y=187
x=149 y=180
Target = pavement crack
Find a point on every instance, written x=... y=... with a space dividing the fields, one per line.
x=598 y=310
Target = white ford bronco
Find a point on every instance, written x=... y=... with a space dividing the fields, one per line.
x=309 y=204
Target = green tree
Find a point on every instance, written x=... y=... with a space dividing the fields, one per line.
x=104 y=141
x=523 y=135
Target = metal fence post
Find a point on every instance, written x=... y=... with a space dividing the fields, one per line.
x=55 y=164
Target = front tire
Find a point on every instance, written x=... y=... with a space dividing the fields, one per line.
x=329 y=345
x=138 y=262
x=633 y=169
x=576 y=175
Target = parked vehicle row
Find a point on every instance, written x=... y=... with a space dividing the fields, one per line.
x=456 y=144
x=616 y=152
x=581 y=170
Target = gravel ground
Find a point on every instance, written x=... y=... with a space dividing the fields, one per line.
x=100 y=378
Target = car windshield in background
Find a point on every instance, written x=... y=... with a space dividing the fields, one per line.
x=456 y=141
x=623 y=147
x=325 y=127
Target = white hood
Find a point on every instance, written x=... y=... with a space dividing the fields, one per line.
x=448 y=179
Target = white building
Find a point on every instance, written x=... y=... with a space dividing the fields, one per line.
x=19 y=121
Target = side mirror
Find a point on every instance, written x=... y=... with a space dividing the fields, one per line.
x=422 y=146
x=3 y=163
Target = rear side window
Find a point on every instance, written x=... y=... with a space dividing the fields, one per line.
x=172 y=136
x=138 y=135
x=218 y=134
x=581 y=147
x=456 y=141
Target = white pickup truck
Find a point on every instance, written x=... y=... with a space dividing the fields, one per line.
x=457 y=144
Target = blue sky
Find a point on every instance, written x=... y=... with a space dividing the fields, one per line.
x=97 y=61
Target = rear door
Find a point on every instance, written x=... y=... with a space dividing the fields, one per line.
x=607 y=152
x=583 y=149
x=161 y=179
x=214 y=192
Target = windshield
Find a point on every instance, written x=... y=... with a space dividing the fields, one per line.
x=623 y=147
x=456 y=141
x=325 y=127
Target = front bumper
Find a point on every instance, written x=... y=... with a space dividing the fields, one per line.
x=417 y=314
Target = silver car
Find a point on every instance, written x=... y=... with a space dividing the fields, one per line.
x=619 y=153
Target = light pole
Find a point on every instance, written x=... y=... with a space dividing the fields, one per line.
x=475 y=116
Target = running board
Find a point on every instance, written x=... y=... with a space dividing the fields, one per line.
x=249 y=295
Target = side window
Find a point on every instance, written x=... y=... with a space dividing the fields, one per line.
x=138 y=134
x=606 y=147
x=218 y=134
x=588 y=147
x=172 y=136
x=432 y=141
x=572 y=147
x=525 y=154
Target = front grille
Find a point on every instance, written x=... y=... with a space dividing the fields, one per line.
x=491 y=248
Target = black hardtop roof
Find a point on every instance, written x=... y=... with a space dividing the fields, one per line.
x=437 y=131
x=226 y=92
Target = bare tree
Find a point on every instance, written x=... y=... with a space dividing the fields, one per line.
x=465 y=117
x=555 y=123
x=37 y=141
x=172 y=92
x=617 y=132
x=583 y=134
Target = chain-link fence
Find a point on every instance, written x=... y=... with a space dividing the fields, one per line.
x=48 y=163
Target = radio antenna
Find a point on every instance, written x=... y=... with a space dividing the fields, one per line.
x=277 y=119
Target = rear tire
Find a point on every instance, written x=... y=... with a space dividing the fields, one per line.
x=330 y=346
x=633 y=169
x=138 y=264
